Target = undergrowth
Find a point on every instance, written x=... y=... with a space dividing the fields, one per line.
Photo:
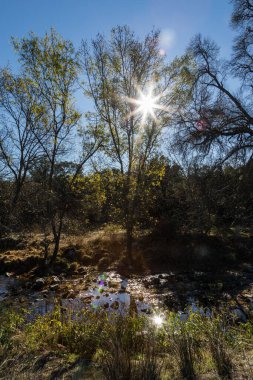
x=131 y=347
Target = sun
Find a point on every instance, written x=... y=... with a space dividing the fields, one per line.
x=145 y=104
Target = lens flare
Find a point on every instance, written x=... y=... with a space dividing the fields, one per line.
x=201 y=125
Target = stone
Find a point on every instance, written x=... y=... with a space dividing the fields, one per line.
x=21 y=245
x=152 y=280
x=183 y=316
x=9 y=274
x=55 y=280
x=163 y=283
x=240 y=315
x=70 y=254
x=71 y=293
x=54 y=287
x=39 y=284
x=9 y=243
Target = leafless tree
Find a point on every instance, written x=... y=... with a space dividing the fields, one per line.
x=219 y=119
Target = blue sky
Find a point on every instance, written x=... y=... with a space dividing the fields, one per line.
x=178 y=20
x=77 y=19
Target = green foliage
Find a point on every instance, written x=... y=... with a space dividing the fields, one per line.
x=132 y=346
x=10 y=323
x=78 y=333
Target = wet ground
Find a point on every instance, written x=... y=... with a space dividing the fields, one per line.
x=142 y=294
x=6 y=284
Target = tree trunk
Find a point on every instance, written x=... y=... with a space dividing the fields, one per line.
x=56 y=248
x=15 y=197
x=129 y=245
x=57 y=238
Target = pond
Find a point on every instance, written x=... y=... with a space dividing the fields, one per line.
x=113 y=293
x=108 y=291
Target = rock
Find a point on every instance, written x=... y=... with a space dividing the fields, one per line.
x=9 y=274
x=183 y=316
x=9 y=243
x=124 y=284
x=55 y=280
x=54 y=287
x=39 y=284
x=70 y=254
x=86 y=298
x=227 y=296
x=152 y=280
x=21 y=245
x=71 y=293
x=240 y=315
x=28 y=285
x=39 y=300
x=251 y=305
x=164 y=276
x=163 y=283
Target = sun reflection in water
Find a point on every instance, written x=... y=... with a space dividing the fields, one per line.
x=158 y=320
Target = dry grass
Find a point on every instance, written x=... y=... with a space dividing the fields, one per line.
x=106 y=248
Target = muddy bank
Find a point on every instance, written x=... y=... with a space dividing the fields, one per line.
x=152 y=253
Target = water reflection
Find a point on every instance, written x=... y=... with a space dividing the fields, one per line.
x=109 y=293
x=6 y=284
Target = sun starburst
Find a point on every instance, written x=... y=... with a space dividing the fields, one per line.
x=145 y=104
